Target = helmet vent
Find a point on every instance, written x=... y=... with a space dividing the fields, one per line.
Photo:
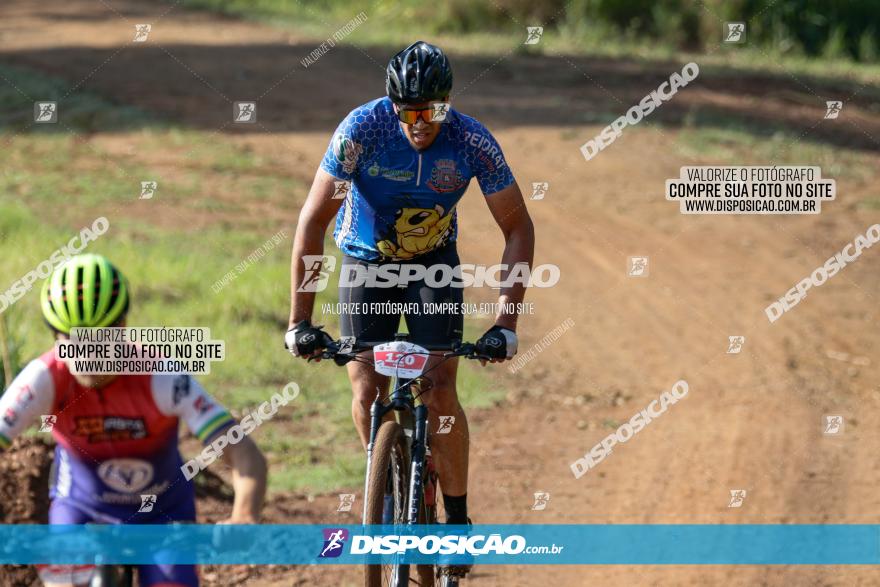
x=114 y=293
x=80 y=293
x=64 y=272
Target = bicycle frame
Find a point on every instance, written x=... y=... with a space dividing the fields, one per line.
x=413 y=417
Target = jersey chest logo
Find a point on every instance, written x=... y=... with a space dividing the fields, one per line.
x=445 y=177
x=126 y=475
x=416 y=231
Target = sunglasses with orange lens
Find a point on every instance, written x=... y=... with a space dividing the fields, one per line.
x=412 y=115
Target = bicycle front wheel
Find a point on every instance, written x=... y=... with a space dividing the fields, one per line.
x=388 y=474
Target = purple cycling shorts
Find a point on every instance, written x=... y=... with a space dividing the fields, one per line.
x=64 y=511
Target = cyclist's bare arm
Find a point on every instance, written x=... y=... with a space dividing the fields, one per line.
x=317 y=212
x=30 y=396
x=512 y=216
x=248 y=481
x=181 y=395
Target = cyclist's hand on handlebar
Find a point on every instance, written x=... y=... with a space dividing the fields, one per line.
x=498 y=344
x=305 y=340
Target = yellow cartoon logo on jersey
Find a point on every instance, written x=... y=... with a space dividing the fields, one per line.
x=416 y=231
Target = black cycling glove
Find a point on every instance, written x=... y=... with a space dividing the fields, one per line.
x=304 y=339
x=497 y=343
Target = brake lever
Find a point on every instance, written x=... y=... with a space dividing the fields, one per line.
x=468 y=351
x=325 y=354
x=473 y=353
x=342 y=359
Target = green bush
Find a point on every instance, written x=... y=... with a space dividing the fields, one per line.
x=808 y=27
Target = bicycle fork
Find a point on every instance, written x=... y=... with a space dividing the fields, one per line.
x=415 y=425
x=377 y=415
x=418 y=449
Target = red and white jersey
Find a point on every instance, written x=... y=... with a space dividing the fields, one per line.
x=114 y=443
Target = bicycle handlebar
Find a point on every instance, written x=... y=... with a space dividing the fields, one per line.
x=333 y=351
x=465 y=349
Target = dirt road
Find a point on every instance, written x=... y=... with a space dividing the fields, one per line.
x=752 y=420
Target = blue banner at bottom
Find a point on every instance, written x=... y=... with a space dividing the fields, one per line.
x=482 y=544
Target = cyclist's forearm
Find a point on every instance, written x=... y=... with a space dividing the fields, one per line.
x=314 y=218
x=519 y=248
x=309 y=240
x=249 y=473
x=249 y=493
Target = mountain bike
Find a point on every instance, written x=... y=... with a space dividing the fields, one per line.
x=399 y=460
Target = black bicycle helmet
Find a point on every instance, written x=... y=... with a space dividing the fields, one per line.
x=419 y=73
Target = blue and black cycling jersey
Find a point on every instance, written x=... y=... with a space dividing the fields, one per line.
x=402 y=201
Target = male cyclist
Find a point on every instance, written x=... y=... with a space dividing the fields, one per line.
x=117 y=435
x=407 y=172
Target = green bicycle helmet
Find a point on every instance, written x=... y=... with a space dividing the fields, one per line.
x=86 y=291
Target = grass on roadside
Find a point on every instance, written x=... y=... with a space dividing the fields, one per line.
x=78 y=111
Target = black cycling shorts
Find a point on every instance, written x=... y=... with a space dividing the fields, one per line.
x=433 y=315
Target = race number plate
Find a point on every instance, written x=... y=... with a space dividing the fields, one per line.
x=400 y=359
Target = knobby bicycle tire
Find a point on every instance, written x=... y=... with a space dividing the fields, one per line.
x=390 y=456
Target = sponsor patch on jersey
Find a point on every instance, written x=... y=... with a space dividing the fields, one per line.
x=24 y=395
x=22 y=398
x=180 y=388
x=445 y=177
x=126 y=475
x=486 y=146
x=10 y=418
x=109 y=428
x=487 y=162
x=202 y=404
x=397 y=174
x=390 y=174
x=347 y=152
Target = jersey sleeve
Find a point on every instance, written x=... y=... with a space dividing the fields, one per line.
x=30 y=396
x=485 y=158
x=347 y=145
x=182 y=396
